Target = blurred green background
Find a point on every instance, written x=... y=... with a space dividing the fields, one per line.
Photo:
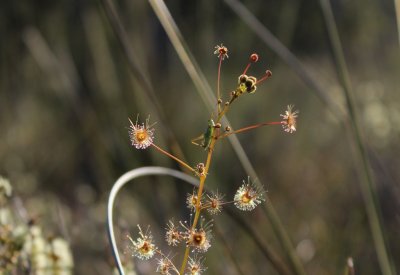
x=67 y=90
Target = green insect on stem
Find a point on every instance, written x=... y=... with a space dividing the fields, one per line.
x=207 y=137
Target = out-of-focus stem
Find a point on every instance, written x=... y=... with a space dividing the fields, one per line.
x=397 y=8
x=349 y=269
x=366 y=181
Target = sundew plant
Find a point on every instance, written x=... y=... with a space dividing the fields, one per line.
x=195 y=232
x=135 y=109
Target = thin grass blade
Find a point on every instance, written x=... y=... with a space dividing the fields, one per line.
x=366 y=181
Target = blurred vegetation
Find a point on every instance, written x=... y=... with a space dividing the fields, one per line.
x=66 y=92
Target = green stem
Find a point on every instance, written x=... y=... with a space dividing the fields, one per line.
x=367 y=183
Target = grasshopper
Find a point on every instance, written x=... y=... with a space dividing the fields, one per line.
x=207 y=136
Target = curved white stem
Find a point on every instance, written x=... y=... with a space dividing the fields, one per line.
x=136 y=173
